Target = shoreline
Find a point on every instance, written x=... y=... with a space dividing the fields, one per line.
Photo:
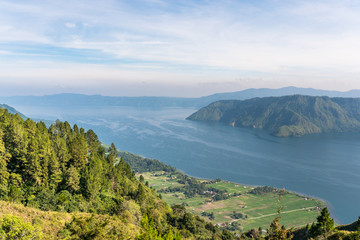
x=327 y=203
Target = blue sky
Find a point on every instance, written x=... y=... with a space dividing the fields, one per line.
x=177 y=48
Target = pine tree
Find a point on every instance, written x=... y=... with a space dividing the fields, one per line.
x=93 y=177
x=92 y=141
x=112 y=155
x=141 y=179
x=72 y=180
x=79 y=151
x=325 y=224
x=61 y=151
x=140 y=193
x=16 y=142
x=124 y=168
x=4 y=174
x=54 y=171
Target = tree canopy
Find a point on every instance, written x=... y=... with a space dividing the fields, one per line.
x=64 y=168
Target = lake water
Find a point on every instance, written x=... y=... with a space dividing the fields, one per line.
x=326 y=166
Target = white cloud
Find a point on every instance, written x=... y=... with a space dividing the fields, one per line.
x=70 y=25
x=285 y=40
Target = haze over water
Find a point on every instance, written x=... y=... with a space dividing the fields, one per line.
x=326 y=166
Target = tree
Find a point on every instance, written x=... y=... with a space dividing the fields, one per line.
x=72 y=180
x=149 y=232
x=124 y=168
x=14 y=194
x=92 y=141
x=54 y=171
x=140 y=194
x=277 y=232
x=12 y=227
x=16 y=144
x=88 y=228
x=4 y=174
x=79 y=151
x=324 y=224
x=112 y=156
x=61 y=150
x=93 y=177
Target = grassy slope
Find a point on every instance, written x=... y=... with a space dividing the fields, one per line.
x=51 y=222
x=261 y=209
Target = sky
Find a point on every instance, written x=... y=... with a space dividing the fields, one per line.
x=177 y=48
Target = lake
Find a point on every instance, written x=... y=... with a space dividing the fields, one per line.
x=326 y=166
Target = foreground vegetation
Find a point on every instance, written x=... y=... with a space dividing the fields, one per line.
x=20 y=222
x=65 y=169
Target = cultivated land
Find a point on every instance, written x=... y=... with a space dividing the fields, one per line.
x=257 y=209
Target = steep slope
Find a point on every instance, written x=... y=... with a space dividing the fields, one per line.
x=12 y=110
x=286 y=116
x=65 y=169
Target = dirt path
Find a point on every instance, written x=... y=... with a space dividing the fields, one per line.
x=295 y=210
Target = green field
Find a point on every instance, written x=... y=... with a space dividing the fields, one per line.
x=258 y=210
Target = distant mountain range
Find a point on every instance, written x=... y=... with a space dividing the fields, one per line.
x=74 y=100
x=285 y=116
x=268 y=92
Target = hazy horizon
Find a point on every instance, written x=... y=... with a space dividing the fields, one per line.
x=199 y=96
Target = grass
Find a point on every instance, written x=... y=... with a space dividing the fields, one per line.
x=51 y=222
x=297 y=210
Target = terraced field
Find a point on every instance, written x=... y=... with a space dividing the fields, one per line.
x=242 y=209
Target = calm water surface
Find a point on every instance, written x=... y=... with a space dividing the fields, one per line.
x=326 y=166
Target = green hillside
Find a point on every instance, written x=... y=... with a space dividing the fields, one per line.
x=12 y=110
x=65 y=169
x=295 y=115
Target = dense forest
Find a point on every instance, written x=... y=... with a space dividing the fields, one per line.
x=59 y=182
x=141 y=164
x=65 y=169
x=295 y=115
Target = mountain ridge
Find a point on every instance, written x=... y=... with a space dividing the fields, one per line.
x=12 y=110
x=294 y=115
x=74 y=99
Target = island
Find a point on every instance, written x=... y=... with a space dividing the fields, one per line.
x=295 y=115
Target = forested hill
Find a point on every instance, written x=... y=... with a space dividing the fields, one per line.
x=286 y=116
x=65 y=169
x=12 y=110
